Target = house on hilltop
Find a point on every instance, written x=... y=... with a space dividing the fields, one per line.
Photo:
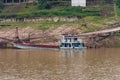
x=78 y=3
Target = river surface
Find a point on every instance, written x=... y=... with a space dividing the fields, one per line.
x=91 y=64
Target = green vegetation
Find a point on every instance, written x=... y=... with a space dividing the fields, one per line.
x=43 y=4
x=1 y=6
x=43 y=25
x=92 y=18
x=87 y=24
x=61 y=12
x=51 y=8
x=118 y=3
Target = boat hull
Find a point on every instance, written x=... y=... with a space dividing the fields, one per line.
x=23 y=46
x=28 y=46
x=73 y=48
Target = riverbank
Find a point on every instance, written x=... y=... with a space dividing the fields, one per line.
x=50 y=31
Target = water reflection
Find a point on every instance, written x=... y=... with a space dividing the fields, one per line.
x=71 y=53
x=93 y=64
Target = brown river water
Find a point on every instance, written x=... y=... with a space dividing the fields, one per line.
x=91 y=64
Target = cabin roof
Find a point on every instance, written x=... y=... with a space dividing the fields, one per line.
x=69 y=36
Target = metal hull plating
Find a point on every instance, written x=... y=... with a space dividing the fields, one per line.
x=79 y=48
x=20 y=46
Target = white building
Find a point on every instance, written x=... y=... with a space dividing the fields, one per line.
x=78 y=3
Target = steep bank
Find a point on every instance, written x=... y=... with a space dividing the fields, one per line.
x=50 y=32
x=37 y=36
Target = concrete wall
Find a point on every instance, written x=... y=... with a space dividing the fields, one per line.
x=55 y=19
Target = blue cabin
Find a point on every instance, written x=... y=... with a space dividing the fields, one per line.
x=69 y=41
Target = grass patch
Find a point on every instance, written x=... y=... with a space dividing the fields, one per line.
x=43 y=25
x=32 y=11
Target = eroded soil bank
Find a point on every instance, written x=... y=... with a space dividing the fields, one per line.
x=50 y=32
x=51 y=36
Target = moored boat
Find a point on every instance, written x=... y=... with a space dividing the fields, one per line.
x=33 y=46
x=67 y=41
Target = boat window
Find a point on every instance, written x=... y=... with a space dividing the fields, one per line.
x=75 y=39
x=65 y=39
x=65 y=45
x=76 y=44
x=69 y=45
x=70 y=39
x=62 y=45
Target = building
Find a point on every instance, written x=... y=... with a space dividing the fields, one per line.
x=18 y=1
x=78 y=3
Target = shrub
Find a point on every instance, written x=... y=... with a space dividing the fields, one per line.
x=118 y=3
x=44 y=6
x=1 y=5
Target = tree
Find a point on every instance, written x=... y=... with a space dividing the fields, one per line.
x=1 y=5
x=43 y=4
x=42 y=1
x=118 y=3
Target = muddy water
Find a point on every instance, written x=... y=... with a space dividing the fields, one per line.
x=93 y=64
